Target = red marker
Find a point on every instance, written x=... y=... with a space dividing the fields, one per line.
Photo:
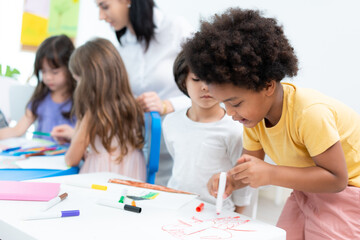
x=200 y=207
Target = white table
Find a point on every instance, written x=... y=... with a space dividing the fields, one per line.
x=99 y=222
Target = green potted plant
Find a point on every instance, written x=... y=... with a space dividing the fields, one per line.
x=9 y=72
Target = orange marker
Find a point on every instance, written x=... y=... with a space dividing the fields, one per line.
x=200 y=207
x=133 y=203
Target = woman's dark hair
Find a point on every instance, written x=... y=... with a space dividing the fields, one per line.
x=141 y=15
x=181 y=71
x=242 y=48
x=56 y=50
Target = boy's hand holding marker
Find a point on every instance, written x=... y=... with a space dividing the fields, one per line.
x=251 y=171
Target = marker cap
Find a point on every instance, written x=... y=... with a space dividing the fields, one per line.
x=99 y=187
x=200 y=207
x=132 y=208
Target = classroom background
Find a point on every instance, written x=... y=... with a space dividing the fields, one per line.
x=324 y=33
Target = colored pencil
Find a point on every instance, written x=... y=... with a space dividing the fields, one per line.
x=42 y=133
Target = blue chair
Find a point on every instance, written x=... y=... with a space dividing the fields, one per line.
x=152 y=144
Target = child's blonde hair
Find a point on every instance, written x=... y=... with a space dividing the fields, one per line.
x=104 y=92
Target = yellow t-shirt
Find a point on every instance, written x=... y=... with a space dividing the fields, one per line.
x=310 y=123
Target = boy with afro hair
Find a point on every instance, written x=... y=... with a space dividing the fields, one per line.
x=313 y=139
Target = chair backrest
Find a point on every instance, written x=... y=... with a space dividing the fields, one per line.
x=152 y=144
x=19 y=96
x=251 y=210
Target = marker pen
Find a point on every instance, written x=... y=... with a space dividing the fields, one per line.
x=109 y=203
x=55 y=152
x=55 y=201
x=42 y=133
x=220 y=194
x=86 y=185
x=11 y=149
x=34 y=154
x=46 y=215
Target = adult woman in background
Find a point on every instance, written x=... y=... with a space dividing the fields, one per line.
x=149 y=43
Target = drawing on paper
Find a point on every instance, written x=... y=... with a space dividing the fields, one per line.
x=143 y=196
x=218 y=228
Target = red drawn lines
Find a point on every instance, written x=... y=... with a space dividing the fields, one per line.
x=217 y=228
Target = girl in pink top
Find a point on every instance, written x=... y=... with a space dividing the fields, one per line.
x=108 y=133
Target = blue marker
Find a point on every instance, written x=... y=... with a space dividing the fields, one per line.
x=11 y=149
x=46 y=215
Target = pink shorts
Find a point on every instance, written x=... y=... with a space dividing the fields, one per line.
x=315 y=216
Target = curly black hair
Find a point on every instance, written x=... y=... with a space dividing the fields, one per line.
x=241 y=47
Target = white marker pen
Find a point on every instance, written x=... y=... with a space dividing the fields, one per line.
x=221 y=190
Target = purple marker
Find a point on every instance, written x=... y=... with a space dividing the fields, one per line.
x=46 y=215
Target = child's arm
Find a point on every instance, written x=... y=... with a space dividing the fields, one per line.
x=20 y=128
x=329 y=174
x=79 y=143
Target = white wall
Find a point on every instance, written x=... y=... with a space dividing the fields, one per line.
x=324 y=33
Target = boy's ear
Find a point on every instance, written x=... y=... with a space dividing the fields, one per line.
x=270 y=87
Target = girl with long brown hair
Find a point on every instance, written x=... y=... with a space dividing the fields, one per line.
x=110 y=121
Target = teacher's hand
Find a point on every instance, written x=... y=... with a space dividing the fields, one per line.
x=150 y=101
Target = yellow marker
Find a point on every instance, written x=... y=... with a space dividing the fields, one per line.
x=86 y=185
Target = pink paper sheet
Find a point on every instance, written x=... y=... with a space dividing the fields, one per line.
x=28 y=191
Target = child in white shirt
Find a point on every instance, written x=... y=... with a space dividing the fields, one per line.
x=202 y=140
